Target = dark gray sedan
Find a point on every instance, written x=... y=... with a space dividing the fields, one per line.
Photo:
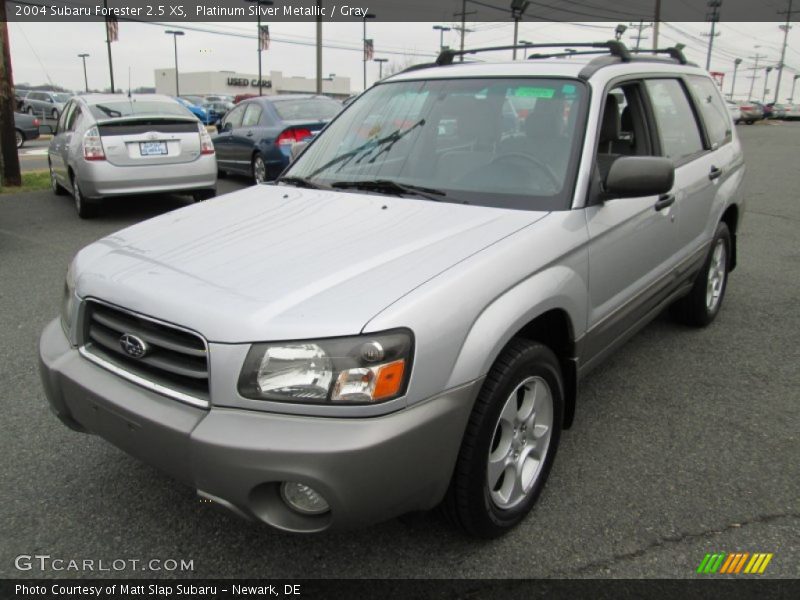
x=26 y=127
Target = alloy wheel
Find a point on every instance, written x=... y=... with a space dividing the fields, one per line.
x=717 y=271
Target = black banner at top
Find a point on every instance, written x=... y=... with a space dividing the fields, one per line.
x=396 y=10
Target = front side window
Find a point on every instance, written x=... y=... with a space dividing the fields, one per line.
x=715 y=115
x=492 y=142
x=677 y=126
x=233 y=119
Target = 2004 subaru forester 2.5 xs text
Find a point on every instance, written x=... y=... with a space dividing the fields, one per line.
x=402 y=319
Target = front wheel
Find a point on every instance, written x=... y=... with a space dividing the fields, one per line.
x=259 y=169
x=19 y=138
x=701 y=306
x=510 y=442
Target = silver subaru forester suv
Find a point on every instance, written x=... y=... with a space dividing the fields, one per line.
x=402 y=319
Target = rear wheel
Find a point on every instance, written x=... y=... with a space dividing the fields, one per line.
x=702 y=304
x=19 y=138
x=259 y=168
x=30 y=110
x=54 y=114
x=510 y=442
x=84 y=209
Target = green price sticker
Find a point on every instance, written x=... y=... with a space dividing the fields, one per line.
x=534 y=92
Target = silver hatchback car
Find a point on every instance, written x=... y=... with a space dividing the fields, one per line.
x=402 y=319
x=114 y=145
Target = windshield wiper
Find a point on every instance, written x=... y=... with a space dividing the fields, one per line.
x=300 y=182
x=387 y=186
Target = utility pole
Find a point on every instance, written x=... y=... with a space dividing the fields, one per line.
x=9 y=160
x=463 y=28
x=259 y=4
x=108 y=43
x=441 y=29
x=754 y=76
x=786 y=27
x=766 y=82
x=714 y=5
x=380 y=62
x=84 y=56
x=656 y=22
x=518 y=8
x=640 y=27
x=736 y=64
x=366 y=16
x=175 y=33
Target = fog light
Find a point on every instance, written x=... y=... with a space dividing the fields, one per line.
x=303 y=499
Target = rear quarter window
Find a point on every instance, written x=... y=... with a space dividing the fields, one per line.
x=712 y=110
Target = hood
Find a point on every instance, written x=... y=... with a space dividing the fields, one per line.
x=276 y=262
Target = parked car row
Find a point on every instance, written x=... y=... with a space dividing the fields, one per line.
x=210 y=108
x=751 y=111
x=44 y=104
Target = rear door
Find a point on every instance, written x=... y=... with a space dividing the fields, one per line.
x=682 y=138
x=57 y=151
x=248 y=133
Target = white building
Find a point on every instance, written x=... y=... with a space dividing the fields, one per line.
x=234 y=83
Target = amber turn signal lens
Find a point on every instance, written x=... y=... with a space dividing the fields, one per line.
x=389 y=380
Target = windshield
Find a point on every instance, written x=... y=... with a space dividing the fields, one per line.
x=307 y=109
x=491 y=142
x=128 y=108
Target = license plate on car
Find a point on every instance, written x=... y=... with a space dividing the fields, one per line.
x=152 y=148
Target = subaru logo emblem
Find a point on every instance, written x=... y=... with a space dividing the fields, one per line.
x=133 y=346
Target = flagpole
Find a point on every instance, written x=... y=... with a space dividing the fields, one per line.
x=108 y=41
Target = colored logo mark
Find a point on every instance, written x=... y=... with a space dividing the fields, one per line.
x=735 y=563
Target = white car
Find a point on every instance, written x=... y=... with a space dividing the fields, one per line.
x=734 y=111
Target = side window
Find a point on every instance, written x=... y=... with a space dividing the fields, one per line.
x=65 y=116
x=251 y=115
x=715 y=115
x=234 y=118
x=74 y=117
x=675 y=119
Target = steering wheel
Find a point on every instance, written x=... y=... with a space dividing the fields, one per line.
x=542 y=166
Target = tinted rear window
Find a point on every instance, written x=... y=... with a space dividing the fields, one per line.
x=309 y=109
x=126 y=108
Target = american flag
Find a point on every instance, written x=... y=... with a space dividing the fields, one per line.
x=112 y=28
x=369 y=50
x=263 y=38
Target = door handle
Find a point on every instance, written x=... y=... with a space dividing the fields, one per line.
x=665 y=200
x=249 y=134
x=714 y=173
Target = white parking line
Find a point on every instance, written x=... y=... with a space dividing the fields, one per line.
x=34 y=152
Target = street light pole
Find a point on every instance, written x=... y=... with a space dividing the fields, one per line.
x=85 y=78
x=364 y=42
x=380 y=62
x=441 y=29
x=736 y=64
x=175 y=33
x=794 y=82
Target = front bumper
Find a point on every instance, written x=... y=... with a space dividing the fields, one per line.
x=101 y=178
x=368 y=469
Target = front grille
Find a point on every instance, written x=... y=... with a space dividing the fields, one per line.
x=175 y=364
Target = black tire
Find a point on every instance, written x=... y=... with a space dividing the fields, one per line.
x=201 y=195
x=29 y=110
x=257 y=167
x=19 y=138
x=221 y=174
x=469 y=503
x=54 y=114
x=695 y=309
x=84 y=208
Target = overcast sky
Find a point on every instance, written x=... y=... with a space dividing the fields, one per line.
x=47 y=52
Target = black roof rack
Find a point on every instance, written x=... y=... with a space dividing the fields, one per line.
x=614 y=47
x=672 y=52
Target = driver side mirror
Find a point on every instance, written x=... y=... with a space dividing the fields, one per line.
x=636 y=176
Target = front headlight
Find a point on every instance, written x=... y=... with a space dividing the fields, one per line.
x=68 y=302
x=364 y=369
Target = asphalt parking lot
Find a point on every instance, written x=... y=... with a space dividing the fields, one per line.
x=685 y=442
